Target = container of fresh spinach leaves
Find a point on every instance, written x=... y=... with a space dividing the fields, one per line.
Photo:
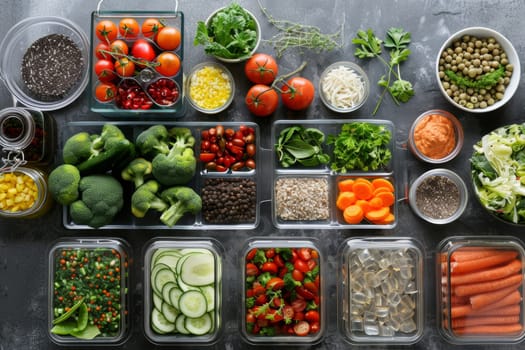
x=302 y=146
x=230 y=34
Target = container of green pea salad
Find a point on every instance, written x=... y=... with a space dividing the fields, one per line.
x=88 y=292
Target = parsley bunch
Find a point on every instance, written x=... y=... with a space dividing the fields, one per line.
x=397 y=41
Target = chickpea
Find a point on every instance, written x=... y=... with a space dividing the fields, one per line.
x=470 y=105
x=483 y=104
x=491 y=101
x=499 y=95
x=504 y=61
x=473 y=99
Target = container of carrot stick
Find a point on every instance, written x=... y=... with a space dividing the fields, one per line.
x=481 y=288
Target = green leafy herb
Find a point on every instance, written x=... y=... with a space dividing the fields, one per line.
x=361 y=146
x=299 y=145
x=231 y=33
x=397 y=41
x=295 y=35
x=485 y=81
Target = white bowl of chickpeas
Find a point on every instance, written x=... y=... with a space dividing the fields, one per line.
x=478 y=69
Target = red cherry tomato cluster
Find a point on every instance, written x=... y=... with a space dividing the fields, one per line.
x=262 y=98
x=126 y=47
x=222 y=149
x=282 y=291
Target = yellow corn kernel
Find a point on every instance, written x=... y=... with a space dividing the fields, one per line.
x=17 y=192
x=210 y=87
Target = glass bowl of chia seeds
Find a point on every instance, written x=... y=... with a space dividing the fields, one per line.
x=45 y=62
x=438 y=196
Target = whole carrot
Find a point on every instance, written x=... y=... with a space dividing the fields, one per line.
x=487 y=275
x=482 y=263
x=511 y=310
x=479 y=300
x=511 y=299
x=483 y=287
x=472 y=253
x=503 y=329
x=484 y=320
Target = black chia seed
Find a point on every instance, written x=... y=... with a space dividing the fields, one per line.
x=437 y=197
x=52 y=66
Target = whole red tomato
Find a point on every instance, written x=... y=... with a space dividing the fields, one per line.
x=151 y=26
x=262 y=100
x=106 y=31
x=119 y=47
x=105 y=92
x=124 y=67
x=261 y=69
x=105 y=70
x=298 y=93
x=143 y=50
x=168 y=38
x=168 y=64
x=102 y=51
x=129 y=28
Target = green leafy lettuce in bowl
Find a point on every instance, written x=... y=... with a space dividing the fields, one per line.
x=498 y=172
x=230 y=34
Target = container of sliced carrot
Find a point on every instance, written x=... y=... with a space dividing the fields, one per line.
x=480 y=290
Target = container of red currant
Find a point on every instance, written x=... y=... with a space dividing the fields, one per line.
x=136 y=65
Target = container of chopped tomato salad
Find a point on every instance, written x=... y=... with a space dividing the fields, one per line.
x=480 y=290
x=88 y=292
x=283 y=295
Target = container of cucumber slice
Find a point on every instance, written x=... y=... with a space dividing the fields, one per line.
x=182 y=291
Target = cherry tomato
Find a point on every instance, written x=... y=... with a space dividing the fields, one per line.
x=298 y=316
x=297 y=275
x=250 y=318
x=164 y=91
x=262 y=100
x=311 y=264
x=261 y=299
x=131 y=96
x=312 y=316
x=168 y=64
x=143 y=50
x=315 y=327
x=288 y=312
x=261 y=69
x=304 y=253
x=298 y=305
x=105 y=92
x=270 y=252
x=278 y=260
x=305 y=293
x=275 y=283
x=274 y=316
x=270 y=267
x=311 y=286
x=251 y=254
x=105 y=70
x=129 y=28
x=258 y=290
x=301 y=265
x=119 y=47
x=168 y=38
x=124 y=67
x=106 y=31
x=301 y=328
x=207 y=157
x=151 y=26
x=102 y=51
x=298 y=93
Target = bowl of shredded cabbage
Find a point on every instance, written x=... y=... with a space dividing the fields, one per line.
x=498 y=172
x=344 y=87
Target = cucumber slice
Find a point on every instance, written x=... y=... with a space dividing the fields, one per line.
x=158 y=253
x=155 y=269
x=169 y=312
x=169 y=260
x=209 y=294
x=184 y=286
x=180 y=324
x=200 y=325
x=186 y=251
x=166 y=292
x=162 y=277
x=175 y=294
x=181 y=261
x=198 y=270
x=157 y=301
x=193 y=304
x=158 y=321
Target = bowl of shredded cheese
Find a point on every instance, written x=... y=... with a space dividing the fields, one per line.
x=210 y=87
x=344 y=87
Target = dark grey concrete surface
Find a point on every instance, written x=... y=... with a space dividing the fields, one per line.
x=24 y=244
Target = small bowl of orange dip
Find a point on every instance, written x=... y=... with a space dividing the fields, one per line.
x=436 y=136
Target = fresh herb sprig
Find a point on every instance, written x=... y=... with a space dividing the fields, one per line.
x=486 y=81
x=301 y=36
x=397 y=41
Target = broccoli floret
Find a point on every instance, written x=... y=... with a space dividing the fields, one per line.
x=145 y=198
x=101 y=198
x=98 y=153
x=63 y=184
x=153 y=141
x=178 y=166
x=136 y=171
x=182 y=200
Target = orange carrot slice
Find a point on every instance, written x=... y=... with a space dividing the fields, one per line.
x=353 y=214
x=363 y=189
x=377 y=214
x=345 y=185
x=382 y=182
x=376 y=203
x=365 y=206
x=387 y=198
x=344 y=199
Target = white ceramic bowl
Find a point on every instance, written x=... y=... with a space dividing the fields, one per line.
x=482 y=32
x=15 y=44
x=258 y=40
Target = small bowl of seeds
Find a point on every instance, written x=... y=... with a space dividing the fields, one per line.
x=478 y=69
x=438 y=196
x=45 y=62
